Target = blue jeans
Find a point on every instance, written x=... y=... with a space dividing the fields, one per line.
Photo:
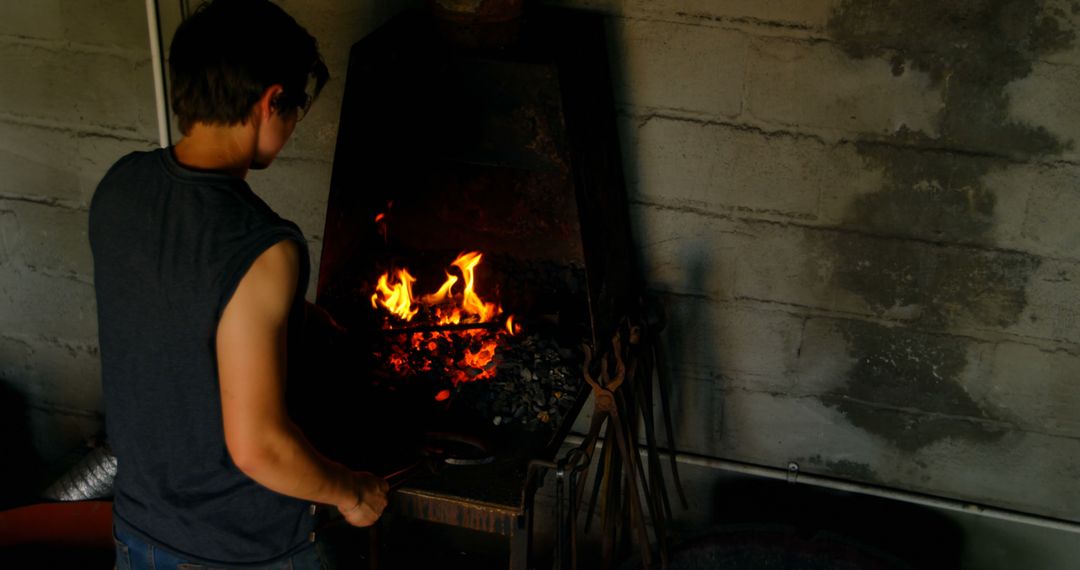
x=133 y=553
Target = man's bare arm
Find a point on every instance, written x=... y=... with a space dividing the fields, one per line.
x=262 y=440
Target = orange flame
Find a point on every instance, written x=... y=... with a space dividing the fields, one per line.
x=381 y=226
x=445 y=292
x=397 y=298
x=445 y=307
x=471 y=302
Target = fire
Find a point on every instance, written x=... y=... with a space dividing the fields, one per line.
x=471 y=303
x=451 y=304
x=448 y=308
x=397 y=298
x=443 y=293
x=482 y=357
x=380 y=223
x=443 y=302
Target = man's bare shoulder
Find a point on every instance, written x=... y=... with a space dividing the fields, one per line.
x=282 y=257
x=268 y=287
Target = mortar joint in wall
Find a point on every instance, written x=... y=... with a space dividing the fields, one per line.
x=1047 y=345
x=30 y=340
x=645 y=115
x=130 y=54
x=59 y=410
x=48 y=201
x=746 y=122
x=747 y=20
x=750 y=26
x=79 y=130
x=61 y=274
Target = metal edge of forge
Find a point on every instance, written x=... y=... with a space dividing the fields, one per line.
x=455 y=511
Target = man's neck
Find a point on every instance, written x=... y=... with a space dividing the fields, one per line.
x=227 y=149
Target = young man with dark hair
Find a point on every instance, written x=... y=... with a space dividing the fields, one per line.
x=200 y=289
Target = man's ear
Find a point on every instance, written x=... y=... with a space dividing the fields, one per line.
x=266 y=106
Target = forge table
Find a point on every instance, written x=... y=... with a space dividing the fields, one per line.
x=496 y=498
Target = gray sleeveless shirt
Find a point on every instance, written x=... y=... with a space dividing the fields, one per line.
x=170 y=246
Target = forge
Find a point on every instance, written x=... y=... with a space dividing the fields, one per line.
x=476 y=237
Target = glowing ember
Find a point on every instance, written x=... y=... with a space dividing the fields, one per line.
x=442 y=395
x=381 y=225
x=482 y=357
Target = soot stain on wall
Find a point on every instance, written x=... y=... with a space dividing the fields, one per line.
x=846 y=468
x=935 y=286
x=904 y=386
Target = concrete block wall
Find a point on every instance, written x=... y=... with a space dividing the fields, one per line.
x=75 y=93
x=863 y=235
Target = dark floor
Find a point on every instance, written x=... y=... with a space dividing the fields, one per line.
x=750 y=523
x=760 y=525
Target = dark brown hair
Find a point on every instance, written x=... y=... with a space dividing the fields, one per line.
x=228 y=52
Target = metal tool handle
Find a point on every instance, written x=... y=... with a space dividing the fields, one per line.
x=402 y=476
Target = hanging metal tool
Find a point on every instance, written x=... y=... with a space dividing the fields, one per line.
x=622 y=485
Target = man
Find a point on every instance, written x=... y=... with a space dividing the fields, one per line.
x=200 y=286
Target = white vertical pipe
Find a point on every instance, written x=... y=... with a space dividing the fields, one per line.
x=159 y=75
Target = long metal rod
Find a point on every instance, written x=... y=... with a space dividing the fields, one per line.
x=154 y=27
x=491 y=325
x=794 y=476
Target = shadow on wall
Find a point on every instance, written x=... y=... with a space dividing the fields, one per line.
x=688 y=332
x=20 y=480
x=686 y=340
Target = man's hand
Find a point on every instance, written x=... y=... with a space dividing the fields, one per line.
x=370 y=500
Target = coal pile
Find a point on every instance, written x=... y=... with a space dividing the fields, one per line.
x=534 y=386
x=530 y=381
